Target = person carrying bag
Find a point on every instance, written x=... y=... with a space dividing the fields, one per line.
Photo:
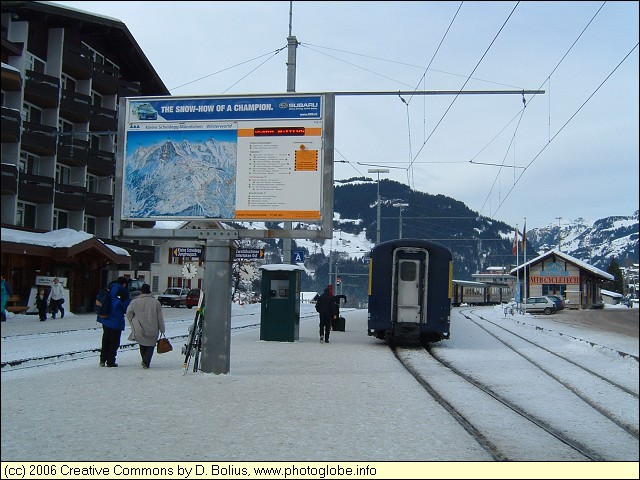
x=144 y=314
x=164 y=345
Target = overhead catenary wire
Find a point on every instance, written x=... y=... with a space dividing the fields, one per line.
x=564 y=125
x=272 y=53
x=463 y=85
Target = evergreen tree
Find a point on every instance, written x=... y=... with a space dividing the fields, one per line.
x=617 y=284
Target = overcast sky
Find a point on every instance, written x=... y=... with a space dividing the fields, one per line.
x=571 y=152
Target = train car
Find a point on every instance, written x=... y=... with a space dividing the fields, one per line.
x=479 y=293
x=410 y=287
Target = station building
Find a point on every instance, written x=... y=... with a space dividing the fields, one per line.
x=557 y=273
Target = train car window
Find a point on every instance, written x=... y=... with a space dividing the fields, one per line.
x=408 y=271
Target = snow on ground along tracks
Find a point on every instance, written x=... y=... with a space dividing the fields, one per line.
x=578 y=408
x=346 y=400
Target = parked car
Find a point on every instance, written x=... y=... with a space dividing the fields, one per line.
x=173 y=297
x=559 y=301
x=192 y=297
x=542 y=304
x=134 y=287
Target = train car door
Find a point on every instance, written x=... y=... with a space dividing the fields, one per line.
x=410 y=270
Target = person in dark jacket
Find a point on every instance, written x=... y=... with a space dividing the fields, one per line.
x=326 y=308
x=42 y=303
x=113 y=325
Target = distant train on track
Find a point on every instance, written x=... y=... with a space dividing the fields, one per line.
x=410 y=289
x=479 y=293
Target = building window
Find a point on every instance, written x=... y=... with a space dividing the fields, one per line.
x=95 y=142
x=64 y=125
x=31 y=113
x=63 y=175
x=90 y=224
x=60 y=219
x=34 y=63
x=26 y=215
x=554 y=290
x=67 y=83
x=92 y=183
x=96 y=99
x=29 y=163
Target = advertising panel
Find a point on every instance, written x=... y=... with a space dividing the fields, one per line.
x=227 y=158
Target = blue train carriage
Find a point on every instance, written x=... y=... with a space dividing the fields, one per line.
x=410 y=290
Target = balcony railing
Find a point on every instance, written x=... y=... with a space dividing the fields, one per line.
x=101 y=162
x=69 y=197
x=38 y=138
x=11 y=79
x=10 y=125
x=9 y=179
x=103 y=119
x=75 y=107
x=77 y=62
x=128 y=89
x=73 y=151
x=35 y=188
x=99 y=204
x=41 y=90
x=105 y=79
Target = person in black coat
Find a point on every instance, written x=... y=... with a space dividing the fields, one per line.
x=42 y=302
x=326 y=307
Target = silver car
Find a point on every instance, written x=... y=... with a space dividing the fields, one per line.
x=540 y=305
x=173 y=297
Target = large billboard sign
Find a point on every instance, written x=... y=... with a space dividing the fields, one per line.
x=242 y=158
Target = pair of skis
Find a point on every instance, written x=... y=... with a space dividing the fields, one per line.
x=192 y=349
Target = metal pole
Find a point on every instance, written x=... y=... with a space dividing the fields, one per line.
x=292 y=45
x=378 y=171
x=378 y=215
x=216 y=327
x=400 y=206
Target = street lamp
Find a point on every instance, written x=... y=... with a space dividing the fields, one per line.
x=378 y=171
x=400 y=206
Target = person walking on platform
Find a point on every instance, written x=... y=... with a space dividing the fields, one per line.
x=6 y=293
x=326 y=308
x=144 y=314
x=42 y=303
x=113 y=325
x=57 y=298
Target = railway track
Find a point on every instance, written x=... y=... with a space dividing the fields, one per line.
x=565 y=380
x=489 y=438
x=503 y=418
x=63 y=357
x=248 y=321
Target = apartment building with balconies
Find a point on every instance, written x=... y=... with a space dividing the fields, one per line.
x=63 y=72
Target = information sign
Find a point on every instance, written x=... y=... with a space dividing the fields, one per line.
x=249 y=254
x=229 y=158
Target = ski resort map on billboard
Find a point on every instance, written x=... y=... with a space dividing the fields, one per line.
x=227 y=158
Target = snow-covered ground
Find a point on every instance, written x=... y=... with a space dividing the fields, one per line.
x=346 y=401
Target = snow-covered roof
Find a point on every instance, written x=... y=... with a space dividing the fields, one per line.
x=467 y=283
x=9 y=67
x=62 y=238
x=611 y=294
x=568 y=258
x=281 y=267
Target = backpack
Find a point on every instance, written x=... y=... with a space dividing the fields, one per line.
x=103 y=303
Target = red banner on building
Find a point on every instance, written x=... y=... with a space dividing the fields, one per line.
x=549 y=280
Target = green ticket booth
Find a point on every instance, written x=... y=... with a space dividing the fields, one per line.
x=280 y=309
